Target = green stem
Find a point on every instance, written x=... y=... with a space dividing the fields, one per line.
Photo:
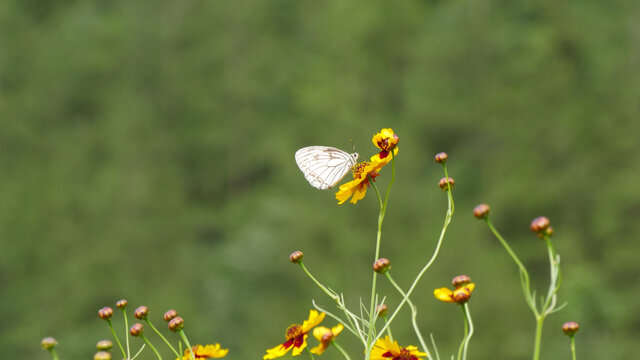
x=573 y=347
x=126 y=332
x=344 y=353
x=524 y=275
x=162 y=337
x=447 y=220
x=538 y=340
x=124 y=354
x=331 y=294
x=414 y=314
x=144 y=338
x=53 y=353
x=468 y=330
x=309 y=352
x=186 y=341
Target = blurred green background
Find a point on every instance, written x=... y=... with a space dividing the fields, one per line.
x=146 y=152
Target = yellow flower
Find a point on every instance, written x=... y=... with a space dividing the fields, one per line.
x=386 y=140
x=296 y=336
x=459 y=295
x=385 y=349
x=325 y=336
x=205 y=352
x=361 y=174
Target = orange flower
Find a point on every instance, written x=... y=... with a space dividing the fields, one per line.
x=357 y=188
x=296 y=336
x=460 y=295
x=385 y=349
x=386 y=140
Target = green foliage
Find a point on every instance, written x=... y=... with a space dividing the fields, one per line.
x=146 y=151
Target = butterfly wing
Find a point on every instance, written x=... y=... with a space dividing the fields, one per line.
x=324 y=166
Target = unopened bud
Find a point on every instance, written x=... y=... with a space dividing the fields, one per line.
x=549 y=231
x=382 y=310
x=170 y=314
x=141 y=312
x=136 y=329
x=176 y=324
x=461 y=295
x=105 y=313
x=102 y=355
x=381 y=265
x=104 y=345
x=539 y=224
x=481 y=211
x=296 y=257
x=446 y=182
x=570 y=328
x=121 y=304
x=460 y=281
x=441 y=158
x=48 y=343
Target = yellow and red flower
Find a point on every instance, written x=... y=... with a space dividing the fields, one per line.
x=386 y=140
x=325 y=336
x=357 y=188
x=205 y=352
x=296 y=336
x=385 y=349
x=459 y=295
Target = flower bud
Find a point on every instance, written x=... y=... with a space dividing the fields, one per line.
x=570 y=328
x=136 y=329
x=121 y=304
x=296 y=257
x=549 y=231
x=48 y=343
x=481 y=211
x=381 y=265
x=441 y=158
x=176 y=324
x=141 y=312
x=461 y=295
x=539 y=224
x=102 y=355
x=446 y=182
x=460 y=281
x=327 y=337
x=382 y=310
x=104 y=345
x=105 y=313
x=170 y=314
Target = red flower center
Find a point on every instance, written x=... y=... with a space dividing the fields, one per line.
x=295 y=336
x=403 y=355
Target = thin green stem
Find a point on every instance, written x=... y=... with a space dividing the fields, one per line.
x=538 y=340
x=524 y=274
x=144 y=338
x=309 y=352
x=344 y=353
x=573 y=347
x=466 y=333
x=54 y=354
x=372 y=315
x=124 y=354
x=162 y=337
x=468 y=330
x=414 y=313
x=186 y=341
x=331 y=294
x=446 y=174
x=388 y=328
x=447 y=221
x=126 y=332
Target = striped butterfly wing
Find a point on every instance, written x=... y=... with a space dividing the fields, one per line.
x=324 y=166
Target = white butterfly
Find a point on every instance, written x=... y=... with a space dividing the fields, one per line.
x=324 y=166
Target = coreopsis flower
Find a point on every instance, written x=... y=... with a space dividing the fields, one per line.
x=296 y=337
x=357 y=188
x=460 y=295
x=386 y=140
x=385 y=349
x=325 y=336
x=205 y=352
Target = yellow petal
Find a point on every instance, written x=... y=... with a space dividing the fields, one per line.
x=319 y=332
x=443 y=294
x=297 y=350
x=319 y=349
x=276 y=352
x=336 y=330
x=314 y=319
